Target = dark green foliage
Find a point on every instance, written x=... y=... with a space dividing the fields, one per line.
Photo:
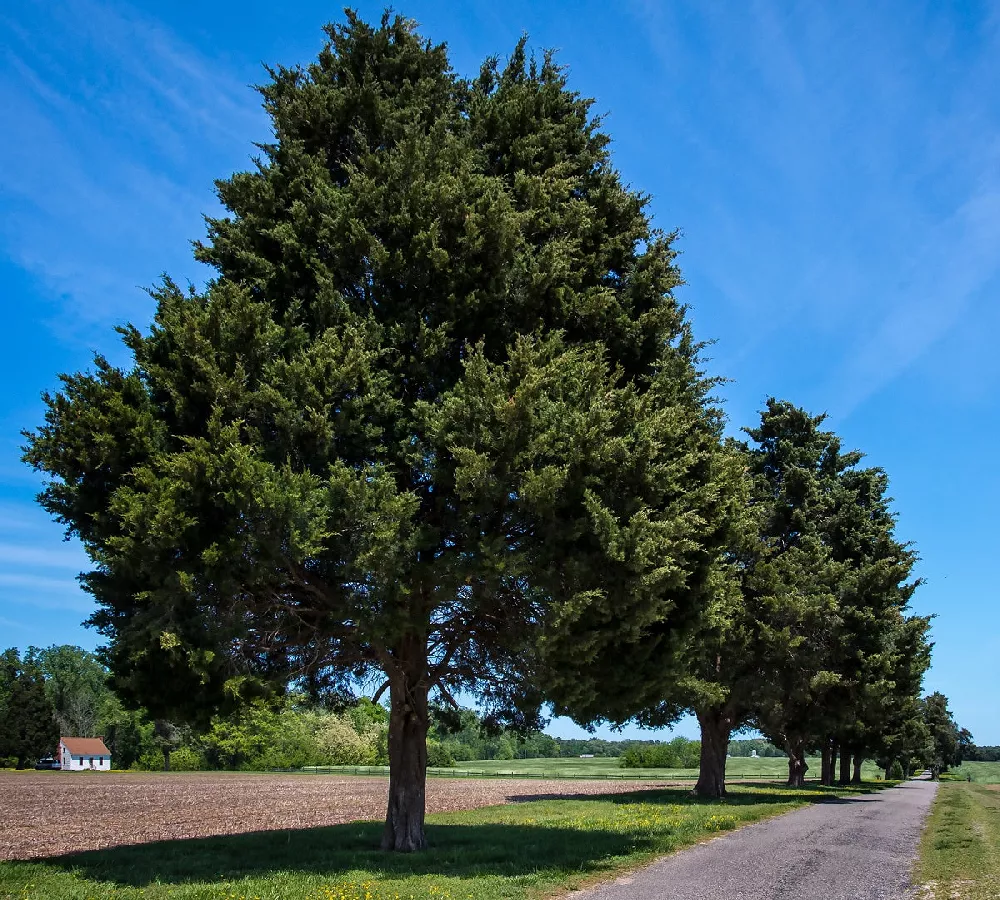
x=745 y=748
x=680 y=753
x=28 y=729
x=807 y=636
x=973 y=753
x=438 y=416
x=792 y=577
x=128 y=734
x=946 y=738
x=833 y=584
x=439 y=755
x=895 y=772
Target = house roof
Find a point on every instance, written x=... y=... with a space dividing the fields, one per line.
x=85 y=746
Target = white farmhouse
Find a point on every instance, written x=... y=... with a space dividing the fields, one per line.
x=79 y=754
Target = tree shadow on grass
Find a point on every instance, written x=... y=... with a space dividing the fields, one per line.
x=751 y=793
x=455 y=851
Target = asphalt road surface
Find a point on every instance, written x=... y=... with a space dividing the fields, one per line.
x=860 y=848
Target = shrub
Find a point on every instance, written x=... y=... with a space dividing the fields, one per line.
x=438 y=755
x=340 y=745
x=150 y=761
x=680 y=753
x=459 y=752
x=186 y=760
x=895 y=772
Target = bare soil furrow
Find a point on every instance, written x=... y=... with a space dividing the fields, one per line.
x=52 y=813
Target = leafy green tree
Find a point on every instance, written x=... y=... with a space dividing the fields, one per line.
x=168 y=737
x=128 y=734
x=438 y=755
x=28 y=727
x=77 y=686
x=944 y=731
x=747 y=747
x=10 y=664
x=438 y=419
x=186 y=759
x=908 y=739
x=806 y=635
x=341 y=744
x=679 y=753
x=982 y=753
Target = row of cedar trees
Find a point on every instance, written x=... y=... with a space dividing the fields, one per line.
x=438 y=424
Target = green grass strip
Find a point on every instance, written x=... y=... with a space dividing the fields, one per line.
x=960 y=849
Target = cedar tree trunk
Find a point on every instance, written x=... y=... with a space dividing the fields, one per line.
x=166 y=758
x=796 y=763
x=716 y=727
x=826 y=768
x=404 y=818
x=858 y=760
x=845 y=766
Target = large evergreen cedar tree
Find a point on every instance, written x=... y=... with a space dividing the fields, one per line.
x=438 y=417
x=832 y=585
x=806 y=636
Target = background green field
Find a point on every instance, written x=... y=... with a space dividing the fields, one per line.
x=738 y=767
x=981 y=772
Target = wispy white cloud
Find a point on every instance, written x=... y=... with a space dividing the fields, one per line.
x=116 y=128
x=963 y=249
x=37 y=583
x=846 y=166
x=63 y=556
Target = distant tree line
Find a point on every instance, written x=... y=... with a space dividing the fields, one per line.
x=748 y=747
x=974 y=753
x=66 y=690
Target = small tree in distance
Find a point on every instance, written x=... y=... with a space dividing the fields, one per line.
x=438 y=421
x=28 y=727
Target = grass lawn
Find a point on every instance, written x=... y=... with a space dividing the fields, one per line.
x=960 y=849
x=527 y=849
x=981 y=772
x=572 y=767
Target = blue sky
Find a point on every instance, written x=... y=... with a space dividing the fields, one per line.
x=834 y=169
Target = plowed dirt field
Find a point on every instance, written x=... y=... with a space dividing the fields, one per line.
x=51 y=813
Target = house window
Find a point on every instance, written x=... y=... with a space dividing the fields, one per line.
x=100 y=760
x=91 y=762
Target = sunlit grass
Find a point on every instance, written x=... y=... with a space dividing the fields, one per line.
x=608 y=767
x=981 y=772
x=960 y=849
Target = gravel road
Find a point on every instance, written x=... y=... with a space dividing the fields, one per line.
x=854 y=849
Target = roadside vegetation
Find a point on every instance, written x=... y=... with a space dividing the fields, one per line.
x=960 y=849
x=525 y=849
